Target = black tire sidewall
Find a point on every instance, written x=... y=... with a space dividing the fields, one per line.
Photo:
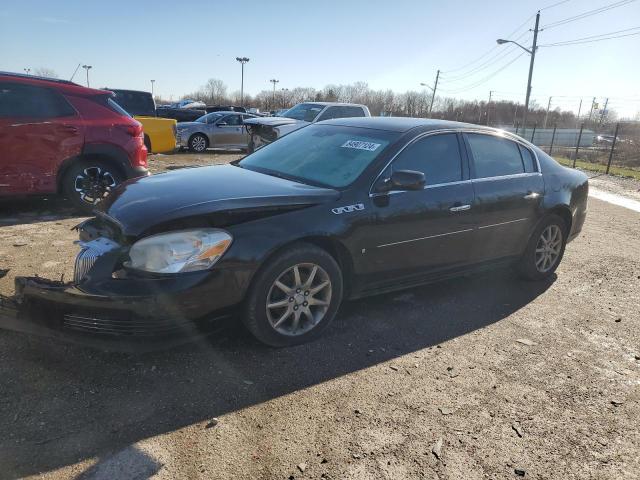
x=68 y=181
x=193 y=137
x=527 y=266
x=255 y=315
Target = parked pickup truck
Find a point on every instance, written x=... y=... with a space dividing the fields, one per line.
x=159 y=133
x=265 y=130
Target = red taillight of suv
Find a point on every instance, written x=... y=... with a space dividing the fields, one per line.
x=139 y=157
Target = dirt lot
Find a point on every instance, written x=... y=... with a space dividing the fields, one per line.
x=472 y=378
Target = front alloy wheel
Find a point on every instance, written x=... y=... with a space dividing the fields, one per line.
x=299 y=299
x=294 y=296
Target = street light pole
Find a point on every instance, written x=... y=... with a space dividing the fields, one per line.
x=242 y=61
x=283 y=97
x=532 y=53
x=273 y=99
x=87 y=68
x=152 y=82
x=433 y=90
x=28 y=70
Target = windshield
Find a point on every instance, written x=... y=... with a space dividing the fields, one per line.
x=209 y=118
x=327 y=155
x=304 y=111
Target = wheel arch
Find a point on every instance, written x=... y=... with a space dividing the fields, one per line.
x=564 y=212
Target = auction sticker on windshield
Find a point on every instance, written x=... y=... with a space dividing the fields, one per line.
x=357 y=144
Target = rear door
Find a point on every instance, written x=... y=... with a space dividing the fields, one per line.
x=229 y=131
x=508 y=191
x=39 y=129
x=423 y=231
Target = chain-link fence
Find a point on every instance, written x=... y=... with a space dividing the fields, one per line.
x=611 y=148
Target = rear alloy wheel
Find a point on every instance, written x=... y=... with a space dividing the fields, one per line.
x=294 y=297
x=545 y=249
x=87 y=183
x=198 y=143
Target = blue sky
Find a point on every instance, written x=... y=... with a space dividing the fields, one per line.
x=388 y=44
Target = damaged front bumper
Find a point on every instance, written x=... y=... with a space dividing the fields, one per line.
x=105 y=310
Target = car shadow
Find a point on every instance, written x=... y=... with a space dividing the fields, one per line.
x=28 y=210
x=70 y=403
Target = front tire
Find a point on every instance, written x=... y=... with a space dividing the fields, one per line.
x=198 y=143
x=545 y=249
x=89 y=181
x=294 y=297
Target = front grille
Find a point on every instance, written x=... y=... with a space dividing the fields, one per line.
x=96 y=324
x=89 y=254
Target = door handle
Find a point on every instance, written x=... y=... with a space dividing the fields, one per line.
x=531 y=195
x=460 y=208
x=70 y=128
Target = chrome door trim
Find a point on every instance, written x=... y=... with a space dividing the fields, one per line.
x=502 y=223
x=498 y=133
x=423 y=238
x=503 y=177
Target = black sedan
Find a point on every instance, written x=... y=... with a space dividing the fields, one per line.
x=339 y=209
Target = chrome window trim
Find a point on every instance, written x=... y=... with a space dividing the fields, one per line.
x=426 y=187
x=502 y=177
x=497 y=133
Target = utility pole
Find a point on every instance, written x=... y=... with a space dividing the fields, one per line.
x=242 y=61
x=283 y=96
x=87 y=68
x=604 y=110
x=546 y=116
x=532 y=53
x=433 y=95
x=533 y=58
x=489 y=106
x=273 y=100
x=579 y=110
x=593 y=102
x=152 y=82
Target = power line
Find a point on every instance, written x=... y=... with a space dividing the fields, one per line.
x=554 y=5
x=464 y=67
x=485 y=79
x=595 y=38
x=486 y=64
x=588 y=13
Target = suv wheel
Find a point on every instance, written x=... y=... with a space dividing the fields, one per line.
x=87 y=182
x=198 y=143
x=294 y=297
x=545 y=249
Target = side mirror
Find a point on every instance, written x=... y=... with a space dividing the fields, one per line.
x=403 y=180
x=221 y=124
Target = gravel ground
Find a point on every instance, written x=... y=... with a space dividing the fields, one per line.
x=483 y=377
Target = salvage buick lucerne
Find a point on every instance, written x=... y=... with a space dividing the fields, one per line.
x=339 y=209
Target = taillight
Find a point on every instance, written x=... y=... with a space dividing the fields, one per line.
x=133 y=130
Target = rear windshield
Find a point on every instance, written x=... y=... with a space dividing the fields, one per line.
x=115 y=107
x=136 y=103
x=326 y=155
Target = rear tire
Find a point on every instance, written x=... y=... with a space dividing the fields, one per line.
x=198 y=143
x=285 y=308
x=545 y=249
x=87 y=182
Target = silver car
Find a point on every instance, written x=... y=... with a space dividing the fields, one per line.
x=223 y=130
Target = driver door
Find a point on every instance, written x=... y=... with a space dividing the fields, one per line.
x=417 y=232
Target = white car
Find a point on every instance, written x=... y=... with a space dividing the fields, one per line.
x=267 y=129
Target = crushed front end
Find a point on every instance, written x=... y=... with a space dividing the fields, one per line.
x=106 y=304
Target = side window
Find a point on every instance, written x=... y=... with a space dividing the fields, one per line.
x=527 y=159
x=493 y=156
x=27 y=101
x=437 y=156
x=233 y=120
x=329 y=113
x=351 y=112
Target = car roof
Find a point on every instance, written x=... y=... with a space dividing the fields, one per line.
x=126 y=90
x=401 y=124
x=326 y=104
x=63 y=85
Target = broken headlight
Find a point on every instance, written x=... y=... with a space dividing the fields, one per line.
x=181 y=251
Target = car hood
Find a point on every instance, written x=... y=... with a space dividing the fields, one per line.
x=140 y=204
x=274 y=121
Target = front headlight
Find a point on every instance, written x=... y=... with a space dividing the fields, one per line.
x=181 y=251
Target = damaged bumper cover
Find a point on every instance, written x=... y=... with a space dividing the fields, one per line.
x=121 y=314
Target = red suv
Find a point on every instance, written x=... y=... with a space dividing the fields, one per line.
x=59 y=137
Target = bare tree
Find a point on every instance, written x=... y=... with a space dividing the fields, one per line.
x=215 y=91
x=45 y=72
